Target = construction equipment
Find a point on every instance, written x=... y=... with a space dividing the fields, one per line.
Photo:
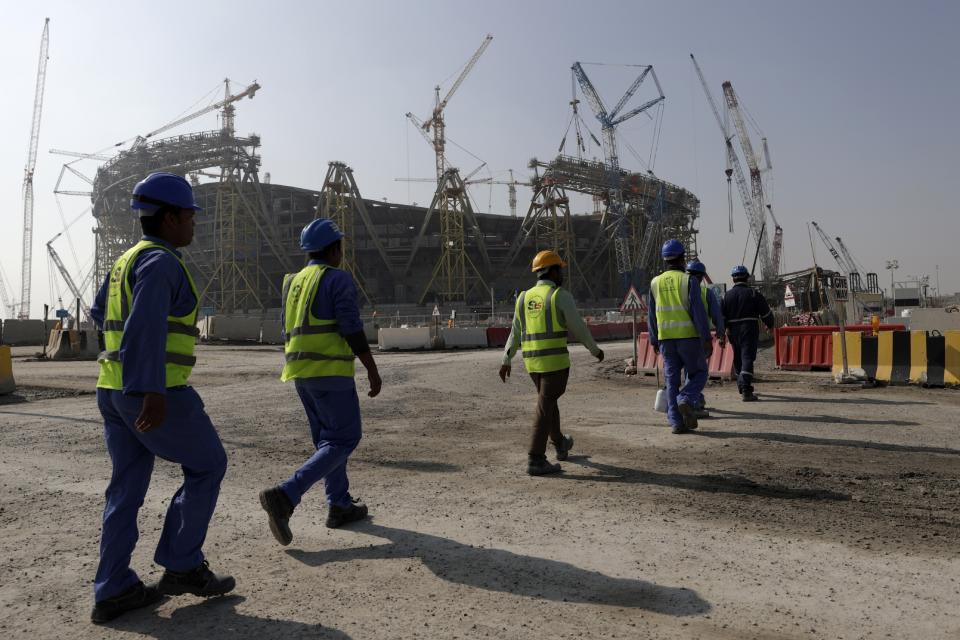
x=436 y=121
x=617 y=225
x=26 y=268
x=854 y=270
x=9 y=308
x=62 y=269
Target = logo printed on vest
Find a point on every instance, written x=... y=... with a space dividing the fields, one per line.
x=535 y=305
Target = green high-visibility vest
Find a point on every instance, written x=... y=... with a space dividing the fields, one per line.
x=313 y=348
x=671 y=293
x=182 y=331
x=543 y=340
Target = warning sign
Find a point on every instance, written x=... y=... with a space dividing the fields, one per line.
x=436 y=311
x=633 y=302
x=788 y=298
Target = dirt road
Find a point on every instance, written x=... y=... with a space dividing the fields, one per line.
x=815 y=513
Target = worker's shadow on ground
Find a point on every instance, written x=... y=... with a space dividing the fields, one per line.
x=745 y=415
x=513 y=573
x=790 y=438
x=52 y=416
x=218 y=619
x=821 y=398
x=710 y=483
x=420 y=466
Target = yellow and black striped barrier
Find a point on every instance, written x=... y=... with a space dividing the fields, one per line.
x=928 y=358
x=7 y=385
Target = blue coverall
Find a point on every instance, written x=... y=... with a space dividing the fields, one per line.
x=743 y=310
x=331 y=402
x=715 y=313
x=186 y=437
x=683 y=354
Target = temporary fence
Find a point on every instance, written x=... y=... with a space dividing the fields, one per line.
x=810 y=348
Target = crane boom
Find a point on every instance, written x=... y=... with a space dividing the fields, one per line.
x=831 y=248
x=77 y=154
x=26 y=267
x=74 y=289
x=9 y=308
x=852 y=267
x=463 y=74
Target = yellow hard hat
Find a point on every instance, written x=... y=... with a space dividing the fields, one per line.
x=547 y=259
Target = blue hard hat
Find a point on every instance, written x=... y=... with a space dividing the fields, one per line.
x=739 y=271
x=319 y=234
x=672 y=249
x=695 y=266
x=160 y=190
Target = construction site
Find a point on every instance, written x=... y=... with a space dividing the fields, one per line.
x=830 y=508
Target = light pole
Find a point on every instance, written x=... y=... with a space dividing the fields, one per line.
x=893 y=265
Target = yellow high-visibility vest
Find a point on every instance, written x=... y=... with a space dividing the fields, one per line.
x=313 y=348
x=182 y=331
x=671 y=293
x=543 y=340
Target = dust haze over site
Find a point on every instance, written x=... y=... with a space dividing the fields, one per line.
x=856 y=101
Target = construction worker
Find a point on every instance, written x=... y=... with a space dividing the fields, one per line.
x=743 y=310
x=715 y=314
x=543 y=316
x=147 y=309
x=680 y=333
x=323 y=334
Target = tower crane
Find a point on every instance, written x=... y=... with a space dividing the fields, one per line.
x=512 y=184
x=26 y=272
x=769 y=266
x=844 y=267
x=9 y=308
x=436 y=120
x=74 y=289
x=609 y=120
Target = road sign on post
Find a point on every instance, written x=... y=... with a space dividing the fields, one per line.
x=788 y=298
x=632 y=302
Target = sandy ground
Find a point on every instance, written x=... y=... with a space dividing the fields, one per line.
x=818 y=512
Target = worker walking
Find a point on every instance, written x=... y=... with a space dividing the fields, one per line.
x=543 y=316
x=744 y=308
x=715 y=313
x=680 y=333
x=147 y=309
x=323 y=334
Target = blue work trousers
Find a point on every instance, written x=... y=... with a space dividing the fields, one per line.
x=334 y=418
x=701 y=401
x=186 y=437
x=743 y=338
x=679 y=355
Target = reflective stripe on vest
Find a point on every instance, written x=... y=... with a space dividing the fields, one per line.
x=182 y=331
x=313 y=348
x=543 y=339
x=671 y=293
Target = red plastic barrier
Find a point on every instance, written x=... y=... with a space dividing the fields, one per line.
x=497 y=336
x=720 y=364
x=647 y=360
x=811 y=347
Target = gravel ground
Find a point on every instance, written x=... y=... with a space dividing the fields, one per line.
x=819 y=512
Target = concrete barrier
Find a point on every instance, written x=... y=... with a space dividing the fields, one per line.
x=930 y=359
x=20 y=333
x=7 y=384
x=404 y=339
x=271 y=332
x=806 y=348
x=65 y=344
x=371 y=331
x=465 y=338
x=223 y=327
x=934 y=320
x=497 y=336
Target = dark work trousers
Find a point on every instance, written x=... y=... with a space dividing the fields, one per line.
x=743 y=338
x=546 y=424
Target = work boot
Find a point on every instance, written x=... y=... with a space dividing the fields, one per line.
x=339 y=516
x=538 y=466
x=750 y=396
x=701 y=412
x=199 y=581
x=136 y=597
x=563 y=447
x=677 y=429
x=277 y=505
x=689 y=415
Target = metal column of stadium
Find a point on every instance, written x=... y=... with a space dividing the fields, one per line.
x=341 y=202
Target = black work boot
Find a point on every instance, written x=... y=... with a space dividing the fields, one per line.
x=750 y=396
x=538 y=466
x=277 y=505
x=339 y=516
x=136 y=597
x=689 y=415
x=563 y=447
x=199 y=581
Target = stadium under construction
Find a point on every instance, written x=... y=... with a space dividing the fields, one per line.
x=247 y=237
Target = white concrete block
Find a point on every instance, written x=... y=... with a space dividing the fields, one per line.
x=404 y=339
x=271 y=332
x=73 y=345
x=24 y=332
x=934 y=319
x=225 y=327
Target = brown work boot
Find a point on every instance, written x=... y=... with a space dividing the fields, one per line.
x=539 y=466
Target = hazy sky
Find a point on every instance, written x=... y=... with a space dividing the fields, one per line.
x=858 y=100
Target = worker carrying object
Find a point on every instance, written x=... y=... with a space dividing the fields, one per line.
x=680 y=333
x=715 y=314
x=744 y=308
x=147 y=309
x=323 y=334
x=542 y=317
